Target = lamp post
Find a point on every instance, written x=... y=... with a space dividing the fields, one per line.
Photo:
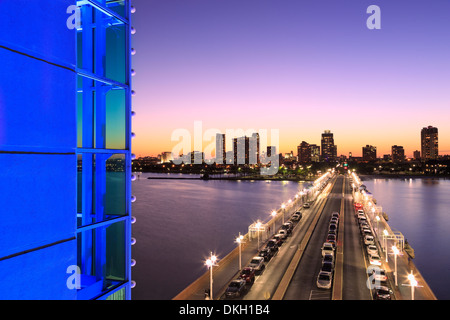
x=396 y=252
x=413 y=283
x=239 y=241
x=386 y=233
x=274 y=214
x=210 y=263
x=258 y=225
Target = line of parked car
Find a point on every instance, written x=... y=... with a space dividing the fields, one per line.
x=240 y=286
x=376 y=275
x=325 y=276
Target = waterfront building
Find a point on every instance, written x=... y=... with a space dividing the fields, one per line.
x=369 y=153
x=221 y=153
x=398 y=154
x=416 y=155
x=315 y=152
x=246 y=150
x=65 y=150
x=304 y=153
x=429 y=143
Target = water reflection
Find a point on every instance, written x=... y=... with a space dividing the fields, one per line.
x=420 y=209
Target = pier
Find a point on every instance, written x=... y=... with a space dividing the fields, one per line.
x=292 y=272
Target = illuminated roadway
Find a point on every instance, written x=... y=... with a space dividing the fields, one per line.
x=292 y=273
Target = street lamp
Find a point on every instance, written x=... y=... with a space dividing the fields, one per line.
x=239 y=241
x=211 y=262
x=258 y=225
x=386 y=233
x=412 y=283
x=274 y=214
x=396 y=252
x=283 y=206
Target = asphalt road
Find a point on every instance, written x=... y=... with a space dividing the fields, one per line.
x=266 y=283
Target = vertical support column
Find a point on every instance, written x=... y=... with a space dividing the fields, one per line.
x=88 y=184
x=100 y=143
x=128 y=158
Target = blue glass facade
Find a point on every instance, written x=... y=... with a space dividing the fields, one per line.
x=65 y=149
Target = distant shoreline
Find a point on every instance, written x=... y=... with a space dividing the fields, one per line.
x=401 y=176
x=261 y=178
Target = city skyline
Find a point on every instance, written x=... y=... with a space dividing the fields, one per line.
x=369 y=151
x=298 y=67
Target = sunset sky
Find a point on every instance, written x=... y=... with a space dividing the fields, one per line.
x=301 y=67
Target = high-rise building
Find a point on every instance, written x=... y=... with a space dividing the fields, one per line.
x=329 y=149
x=65 y=149
x=369 y=153
x=429 y=143
x=315 y=152
x=254 y=151
x=246 y=149
x=304 y=152
x=271 y=150
x=240 y=149
x=416 y=155
x=221 y=152
x=398 y=154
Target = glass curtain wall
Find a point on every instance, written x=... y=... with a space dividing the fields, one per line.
x=104 y=149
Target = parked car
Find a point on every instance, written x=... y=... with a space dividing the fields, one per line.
x=361 y=215
x=332 y=227
x=331 y=237
x=366 y=232
x=368 y=240
x=283 y=234
x=306 y=205
x=382 y=293
x=328 y=258
x=288 y=227
x=375 y=259
x=272 y=244
x=324 y=280
x=327 y=248
x=332 y=232
x=377 y=273
x=372 y=249
x=235 y=289
x=257 y=263
x=279 y=239
x=362 y=220
x=266 y=253
x=248 y=274
x=296 y=216
x=327 y=266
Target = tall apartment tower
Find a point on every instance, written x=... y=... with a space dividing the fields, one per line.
x=65 y=150
x=304 y=152
x=429 y=143
x=369 y=153
x=329 y=149
x=221 y=153
x=315 y=152
x=398 y=154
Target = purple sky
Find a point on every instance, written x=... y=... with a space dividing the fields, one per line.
x=301 y=67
